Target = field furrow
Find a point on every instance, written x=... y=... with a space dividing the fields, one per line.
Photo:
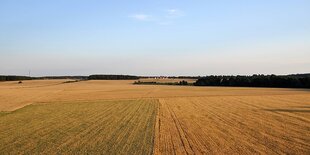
x=233 y=125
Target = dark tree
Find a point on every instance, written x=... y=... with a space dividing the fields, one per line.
x=112 y=77
x=256 y=81
x=14 y=78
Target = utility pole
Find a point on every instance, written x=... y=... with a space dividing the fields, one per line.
x=29 y=72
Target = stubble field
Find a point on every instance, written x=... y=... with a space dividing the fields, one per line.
x=109 y=127
x=116 y=117
x=234 y=124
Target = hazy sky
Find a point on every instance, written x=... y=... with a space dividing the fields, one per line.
x=154 y=37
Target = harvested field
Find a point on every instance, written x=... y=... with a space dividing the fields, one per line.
x=14 y=96
x=111 y=127
x=234 y=125
x=117 y=117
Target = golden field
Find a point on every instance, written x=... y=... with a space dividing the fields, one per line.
x=234 y=124
x=109 y=127
x=14 y=96
x=117 y=117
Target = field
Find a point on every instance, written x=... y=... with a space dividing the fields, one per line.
x=234 y=124
x=116 y=117
x=78 y=128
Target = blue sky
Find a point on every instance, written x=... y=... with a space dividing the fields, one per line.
x=202 y=37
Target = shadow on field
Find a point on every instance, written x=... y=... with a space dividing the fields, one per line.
x=2 y=113
x=303 y=109
x=306 y=107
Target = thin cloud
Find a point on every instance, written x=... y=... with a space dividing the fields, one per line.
x=141 y=17
x=173 y=13
x=164 y=19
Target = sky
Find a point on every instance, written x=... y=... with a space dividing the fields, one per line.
x=148 y=37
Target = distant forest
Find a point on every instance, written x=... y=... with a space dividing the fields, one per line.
x=112 y=77
x=91 y=77
x=14 y=78
x=288 y=81
x=172 y=77
x=63 y=77
x=183 y=83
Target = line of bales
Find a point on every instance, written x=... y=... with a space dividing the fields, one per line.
x=260 y=80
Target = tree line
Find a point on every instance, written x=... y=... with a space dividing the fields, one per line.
x=288 y=81
x=183 y=83
x=63 y=77
x=172 y=77
x=14 y=78
x=112 y=77
x=91 y=77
